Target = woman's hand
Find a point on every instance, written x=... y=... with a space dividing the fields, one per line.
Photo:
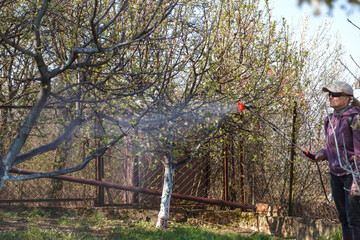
x=319 y=157
x=354 y=191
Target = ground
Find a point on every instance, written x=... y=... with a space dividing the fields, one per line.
x=101 y=222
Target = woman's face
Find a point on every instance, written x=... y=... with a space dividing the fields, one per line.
x=338 y=102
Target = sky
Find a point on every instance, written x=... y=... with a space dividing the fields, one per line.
x=349 y=34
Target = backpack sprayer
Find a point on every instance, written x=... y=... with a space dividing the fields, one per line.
x=241 y=107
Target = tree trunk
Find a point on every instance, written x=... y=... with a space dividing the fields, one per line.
x=163 y=216
x=6 y=163
x=292 y=162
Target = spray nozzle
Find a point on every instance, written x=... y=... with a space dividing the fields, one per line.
x=241 y=107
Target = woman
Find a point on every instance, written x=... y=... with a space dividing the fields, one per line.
x=343 y=139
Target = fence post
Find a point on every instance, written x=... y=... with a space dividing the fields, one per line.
x=242 y=173
x=99 y=167
x=136 y=176
x=225 y=170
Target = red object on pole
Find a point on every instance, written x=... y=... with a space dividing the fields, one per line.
x=241 y=107
x=140 y=190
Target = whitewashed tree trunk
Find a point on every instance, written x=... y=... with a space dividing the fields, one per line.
x=163 y=216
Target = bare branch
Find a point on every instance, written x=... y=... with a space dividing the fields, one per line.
x=29 y=122
x=93 y=27
x=36 y=26
x=67 y=65
x=16 y=46
x=354 y=61
x=353 y=24
x=51 y=146
x=98 y=152
x=348 y=70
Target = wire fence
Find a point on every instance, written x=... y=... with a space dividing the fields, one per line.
x=228 y=172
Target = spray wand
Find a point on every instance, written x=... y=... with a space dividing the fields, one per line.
x=241 y=107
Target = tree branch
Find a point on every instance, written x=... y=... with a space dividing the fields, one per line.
x=16 y=46
x=51 y=146
x=353 y=24
x=98 y=152
x=93 y=27
x=24 y=131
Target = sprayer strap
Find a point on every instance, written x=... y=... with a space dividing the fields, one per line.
x=349 y=120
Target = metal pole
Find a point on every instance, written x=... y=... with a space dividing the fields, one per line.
x=99 y=165
x=292 y=161
x=242 y=173
x=140 y=190
x=225 y=170
x=136 y=171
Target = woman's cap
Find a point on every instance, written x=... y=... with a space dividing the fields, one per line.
x=339 y=87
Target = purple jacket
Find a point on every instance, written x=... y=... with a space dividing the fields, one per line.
x=352 y=142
